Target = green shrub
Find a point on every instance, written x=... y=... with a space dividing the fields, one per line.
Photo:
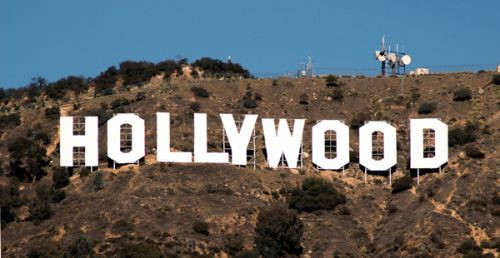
x=60 y=178
x=427 y=108
x=470 y=249
x=201 y=227
x=99 y=183
x=315 y=194
x=27 y=159
x=105 y=81
x=234 y=244
x=10 y=200
x=331 y=81
x=402 y=184
x=81 y=248
x=58 y=195
x=496 y=79
x=200 y=92
x=40 y=210
x=461 y=136
x=303 y=99
x=463 y=94
x=52 y=113
x=137 y=73
x=10 y=120
x=249 y=103
x=217 y=68
x=359 y=120
x=337 y=94
x=119 y=102
x=195 y=106
x=278 y=232
x=84 y=171
x=415 y=94
x=473 y=152
x=141 y=250
x=59 y=88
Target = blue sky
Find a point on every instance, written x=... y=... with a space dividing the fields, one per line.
x=56 y=38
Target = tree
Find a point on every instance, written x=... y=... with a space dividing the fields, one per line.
x=315 y=194
x=27 y=159
x=60 y=178
x=278 y=232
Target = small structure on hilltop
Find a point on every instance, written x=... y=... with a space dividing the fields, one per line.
x=420 y=71
x=498 y=68
x=306 y=69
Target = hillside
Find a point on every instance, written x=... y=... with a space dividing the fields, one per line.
x=157 y=207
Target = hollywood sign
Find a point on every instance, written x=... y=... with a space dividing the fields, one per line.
x=279 y=141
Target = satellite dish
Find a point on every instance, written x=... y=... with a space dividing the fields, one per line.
x=406 y=59
x=381 y=58
x=377 y=53
x=392 y=57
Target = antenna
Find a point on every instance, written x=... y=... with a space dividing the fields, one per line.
x=394 y=59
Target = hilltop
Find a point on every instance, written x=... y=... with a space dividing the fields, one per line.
x=185 y=210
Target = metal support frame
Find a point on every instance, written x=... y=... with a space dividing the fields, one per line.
x=251 y=152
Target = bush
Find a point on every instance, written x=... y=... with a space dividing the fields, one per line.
x=200 y=92
x=10 y=200
x=462 y=95
x=42 y=138
x=278 y=232
x=60 y=178
x=402 y=184
x=337 y=94
x=84 y=171
x=140 y=250
x=10 y=120
x=195 y=106
x=98 y=181
x=105 y=81
x=58 y=195
x=140 y=96
x=469 y=248
x=427 y=108
x=359 y=120
x=303 y=99
x=315 y=194
x=461 y=136
x=473 y=152
x=201 y=227
x=234 y=244
x=331 y=81
x=496 y=79
x=40 y=210
x=136 y=73
x=27 y=159
x=217 y=68
x=81 y=248
x=58 y=89
x=52 y=113
x=249 y=103
x=119 y=102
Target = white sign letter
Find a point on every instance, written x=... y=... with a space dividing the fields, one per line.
x=417 y=159
x=114 y=126
x=68 y=141
x=282 y=143
x=238 y=140
x=318 y=144
x=200 y=143
x=366 y=145
x=163 y=141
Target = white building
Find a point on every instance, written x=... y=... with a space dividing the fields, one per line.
x=421 y=71
x=498 y=68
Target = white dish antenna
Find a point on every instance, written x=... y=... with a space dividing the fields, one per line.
x=392 y=57
x=381 y=58
x=406 y=59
